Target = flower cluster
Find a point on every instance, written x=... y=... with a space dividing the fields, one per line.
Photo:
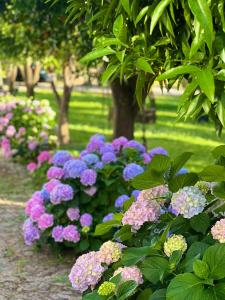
x=188 y=202
x=218 y=231
x=130 y=273
x=175 y=243
x=26 y=131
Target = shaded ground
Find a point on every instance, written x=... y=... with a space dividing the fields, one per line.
x=25 y=274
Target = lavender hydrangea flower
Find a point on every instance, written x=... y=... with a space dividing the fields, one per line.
x=60 y=158
x=99 y=165
x=30 y=232
x=146 y=158
x=157 y=150
x=86 y=220
x=108 y=147
x=49 y=186
x=57 y=233
x=83 y=153
x=108 y=217
x=95 y=144
x=90 y=159
x=136 y=145
x=45 y=221
x=120 y=201
x=71 y=234
x=118 y=143
x=36 y=212
x=88 y=177
x=62 y=192
x=108 y=157
x=73 y=213
x=135 y=193
x=131 y=171
x=74 y=168
x=55 y=172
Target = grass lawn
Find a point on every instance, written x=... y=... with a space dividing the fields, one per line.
x=89 y=115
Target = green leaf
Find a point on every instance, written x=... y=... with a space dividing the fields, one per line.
x=219 y=151
x=159 y=295
x=180 y=161
x=145 y=294
x=219 y=190
x=160 y=163
x=182 y=180
x=119 y=29
x=143 y=65
x=103 y=228
x=200 y=223
x=140 y=84
x=141 y=14
x=201 y=269
x=97 y=53
x=202 y=13
x=215 y=258
x=126 y=6
x=110 y=70
x=155 y=268
x=147 y=180
x=220 y=109
x=124 y=233
x=197 y=249
x=126 y=289
x=185 y=286
x=221 y=12
x=174 y=72
x=157 y=13
x=132 y=256
x=213 y=173
x=206 y=82
x=92 y=296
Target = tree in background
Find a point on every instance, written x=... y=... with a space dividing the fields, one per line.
x=142 y=39
x=32 y=32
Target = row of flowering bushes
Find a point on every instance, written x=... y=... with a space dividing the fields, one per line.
x=166 y=243
x=84 y=191
x=26 y=131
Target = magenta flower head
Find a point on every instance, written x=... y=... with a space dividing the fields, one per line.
x=61 y=192
x=119 y=143
x=108 y=157
x=73 y=168
x=36 y=212
x=31 y=167
x=43 y=157
x=71 y=234
x=132 y=170
x=57 y=233
x=60 y=158
x=73 y=213
x=45 y=221
x=86 y=220
x=88 y=177
x=30 y=232
x=55 y=172
x=49 y=186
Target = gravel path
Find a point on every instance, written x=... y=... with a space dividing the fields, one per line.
x=26 y=274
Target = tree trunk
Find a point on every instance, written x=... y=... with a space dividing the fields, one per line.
x=125 y=107
x=63 y=123
x=11 y=78
x=30 y=90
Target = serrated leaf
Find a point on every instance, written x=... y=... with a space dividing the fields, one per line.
x=155 y=268
x=97 y=53
x=215 y=258
x=157 y=13
x=143 y=65
x=200 y=223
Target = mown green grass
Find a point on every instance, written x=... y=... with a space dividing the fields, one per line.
x=89 y=115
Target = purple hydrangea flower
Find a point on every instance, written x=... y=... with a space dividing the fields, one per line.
x=55 y=172
x=108 y=157
x=108 y=217
x=96 y=143
x=57 y=233
x=131 y=171
x=108 y=147
x=30 y=232
x=120 y=201
x=71 y=234
x=86 y=220
x=73 y=213
x=74 y=168
x=99 y=165
x=90 y=159
x=36 y=212
x=97 y=136
x=45 y=221
x=157 y=150
x=136 y=145
x=83 y=153
x=62 y=192
x=88 y=177
x=49 y=186
x=118 y=143
x=146 y=158
x=61 y=157
x=135 y=193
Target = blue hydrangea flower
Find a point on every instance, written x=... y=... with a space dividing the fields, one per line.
x=90 y=158
x=182 y=171
x=45 y=194
x=99 y=165
x=107 y=147
x=135 y=193
x=131 y=171
x=108 y=157
x=136 y=145
x=108 y=217
x=73 y=168
x=157 y=150
x=120 y=201
x=60 y=158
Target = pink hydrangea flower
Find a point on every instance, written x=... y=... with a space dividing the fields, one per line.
x=43 y=157
x=49 y=186
x=218 y=231
x=57 y=233
x=91 y=191
x=55 y=172
x=71 y=234
x=36 y=212
x=130 y=273
x=32 y=166
x=32 y=145
x=10 y=131
x=45 y=221
x=73 y=214
x=31 y=203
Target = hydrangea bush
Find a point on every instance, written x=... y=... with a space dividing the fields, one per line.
x=84 y=191
x=26 y=131
x=169 y=242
